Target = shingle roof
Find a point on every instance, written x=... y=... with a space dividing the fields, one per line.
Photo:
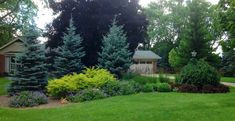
x=142 y=54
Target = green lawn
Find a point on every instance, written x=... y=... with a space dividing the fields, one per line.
x=228 y=79
x=140 y=107
x=3 y=85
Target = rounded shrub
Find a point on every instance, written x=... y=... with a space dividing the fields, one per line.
x=149 y=88
x=90 y=78
x=199 y=73
x=126 y=88
x=28 y=99
x=111 y=88
x=87 y=95
x=163 y=87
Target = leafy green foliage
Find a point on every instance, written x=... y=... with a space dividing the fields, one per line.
x=90 y=78
x=165 y=27
x=63 y=86
x=149 y=87
x=28 y=99
x=163 y=79
x=111 y=88
x=15 y=16
x=126 y=88
x=87 y=95
x=144 y=79
x=163 y=87
x=114 y=54
x=199 y=73
x=198 y=35
x=31 y=75
x=70 y=54
x=227 y=14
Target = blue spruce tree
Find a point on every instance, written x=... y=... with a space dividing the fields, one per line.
x=114 y=54
x=70 y=54
x=31 y=75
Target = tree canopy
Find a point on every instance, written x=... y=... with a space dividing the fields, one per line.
x=92 y=19
x=15 y=15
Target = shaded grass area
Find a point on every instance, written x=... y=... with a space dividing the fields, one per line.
x=228 y=79
x=4 y=82
x=140 y=107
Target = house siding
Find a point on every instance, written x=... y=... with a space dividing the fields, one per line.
x=2 y=64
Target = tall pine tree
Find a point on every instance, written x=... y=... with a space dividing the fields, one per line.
x=195 y=37
x=31 y=75
x=70 y=53
x=115 y=55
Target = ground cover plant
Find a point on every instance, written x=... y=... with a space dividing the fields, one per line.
x=28 y=99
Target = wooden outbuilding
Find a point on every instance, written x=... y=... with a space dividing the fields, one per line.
x=145 y=62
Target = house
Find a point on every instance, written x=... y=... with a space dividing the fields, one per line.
x=145 y=62
x=8 y=54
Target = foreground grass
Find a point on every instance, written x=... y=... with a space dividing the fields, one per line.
x=3 y=85
x=140 y=107
x=228 y=79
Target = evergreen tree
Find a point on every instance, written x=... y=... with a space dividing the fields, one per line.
x=70 y=54
x=31 y=74
x=92 y=19
x=195 y=37
x=227 y=15
x=115 y=55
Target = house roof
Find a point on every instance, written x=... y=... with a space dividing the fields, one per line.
x=11 y=42
x=143 y=54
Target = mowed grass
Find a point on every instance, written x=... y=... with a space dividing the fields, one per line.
x=228 y=79
x=3 y=85
x=139 y=107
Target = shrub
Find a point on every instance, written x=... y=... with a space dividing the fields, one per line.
x=149 y=88
x=137 y=87
x=126 y=88
x=87 y=95
x=215 y=89
x=163 y=79
x=90 y=78
x=28 y=99
x=111 y=88
x=188 y=88
x=63 y=86
x=163 y=87
x=144 y=79
x=129 y=75
x=199 y=73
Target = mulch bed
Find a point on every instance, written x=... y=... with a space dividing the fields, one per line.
x=4 y=102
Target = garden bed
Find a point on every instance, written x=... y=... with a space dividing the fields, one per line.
x=51 y=103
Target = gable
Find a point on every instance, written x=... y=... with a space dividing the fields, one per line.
x=14 y=46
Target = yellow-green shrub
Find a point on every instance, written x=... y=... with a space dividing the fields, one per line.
x=91 y=77
x=61 y=87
